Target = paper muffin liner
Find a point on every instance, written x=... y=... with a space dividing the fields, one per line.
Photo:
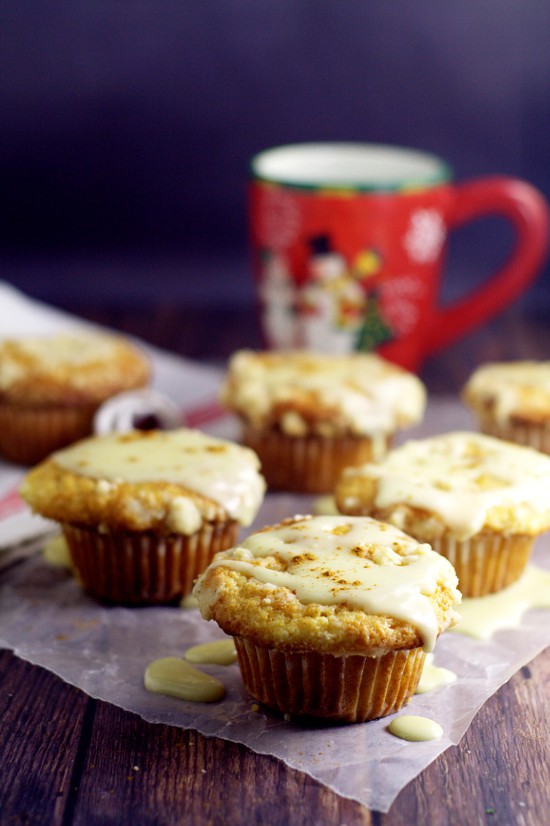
x=347 y=689
x=29 y=434
x=486 y=563
x=522 y=433
x=310 y=464
x=144 y=568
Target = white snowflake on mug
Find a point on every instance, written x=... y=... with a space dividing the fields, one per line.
x=402 y=297
x=425 y=236
x=278 y=218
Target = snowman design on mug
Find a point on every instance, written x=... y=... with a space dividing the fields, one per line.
x=278 y=296
x=338 y=306
x=342 y=307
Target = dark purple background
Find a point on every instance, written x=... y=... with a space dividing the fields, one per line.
x=127 y=126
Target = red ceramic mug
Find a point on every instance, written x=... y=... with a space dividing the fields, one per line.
x=349 y=244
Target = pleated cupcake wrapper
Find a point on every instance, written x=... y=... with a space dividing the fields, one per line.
x=348 y=689
x=486 y=564
x=536 y=436
x=309 y=464
x=144 y=568
x=29 y=434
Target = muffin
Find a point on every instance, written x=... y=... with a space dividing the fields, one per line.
x=331 y=615
x=511 y=401
x=309 y=415
x=51 y=387
x=479 y=501
x=144 y=512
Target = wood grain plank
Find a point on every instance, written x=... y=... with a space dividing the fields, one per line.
x=42 y=720
x=500 y=772
x=69 y=760
x=154 y=774
x=128 y=771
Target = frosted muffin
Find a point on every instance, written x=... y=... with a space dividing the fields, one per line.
x=511 y=401
x=479 y=501
x=51 y=387
x=144 y=512
x=331 y=615
x=309 y=415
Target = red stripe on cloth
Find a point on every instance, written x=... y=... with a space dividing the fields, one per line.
x=208 y=412
x=11 y=504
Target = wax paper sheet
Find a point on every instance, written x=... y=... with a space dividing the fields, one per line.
x=47 y=620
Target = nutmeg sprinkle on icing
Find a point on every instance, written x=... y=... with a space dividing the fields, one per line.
x=356 y=561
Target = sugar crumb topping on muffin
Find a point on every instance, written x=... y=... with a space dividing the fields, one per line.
x=333 y=584
x=303 y=392
x=76 y=367
x=511 y=390
x=455 y=484
x=161 y=480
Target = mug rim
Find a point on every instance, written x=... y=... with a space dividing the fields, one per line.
x=419 y=169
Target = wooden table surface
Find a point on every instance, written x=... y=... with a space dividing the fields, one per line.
x=68 y=759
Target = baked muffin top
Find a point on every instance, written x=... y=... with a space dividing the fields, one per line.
x=302 y=392
x=71 y=368
x=165 y=481
x=508 y=391
x=456 y=484
x=333 y=584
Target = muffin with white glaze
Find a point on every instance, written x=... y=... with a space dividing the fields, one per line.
x=52 y=386
x=478 y=500
x=331 y=615
x=144 y=512
x=511 y=400
x=309 y=415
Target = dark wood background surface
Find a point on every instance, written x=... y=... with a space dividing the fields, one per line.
x=68 y=759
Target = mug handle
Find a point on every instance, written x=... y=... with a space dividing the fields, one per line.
x=529 y=214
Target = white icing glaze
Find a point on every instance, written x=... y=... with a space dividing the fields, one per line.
x=218 y=652
x=222 y=471
x=433 y=676
x=188 y=602
x=183 y=516
x=513 y=388
x=461 y=476
x=353 y=560
x=366 y=393
x=414 y=728
x=53 y=352
x=56 y=552
x=177 y=678
x=480 y=617
x=325 y=506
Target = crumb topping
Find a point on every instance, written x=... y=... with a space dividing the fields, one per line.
x=335 y=569
x=509 y=391
x=148 y=479
x=461 y=483
x=79 y=367
x=302 y=392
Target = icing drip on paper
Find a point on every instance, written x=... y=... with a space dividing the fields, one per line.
x=433 y=676
x=177 y=678
x=219 y=652
x=481 y=617
x=415 y=729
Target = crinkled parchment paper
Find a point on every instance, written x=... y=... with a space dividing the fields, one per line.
x=45 y=619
